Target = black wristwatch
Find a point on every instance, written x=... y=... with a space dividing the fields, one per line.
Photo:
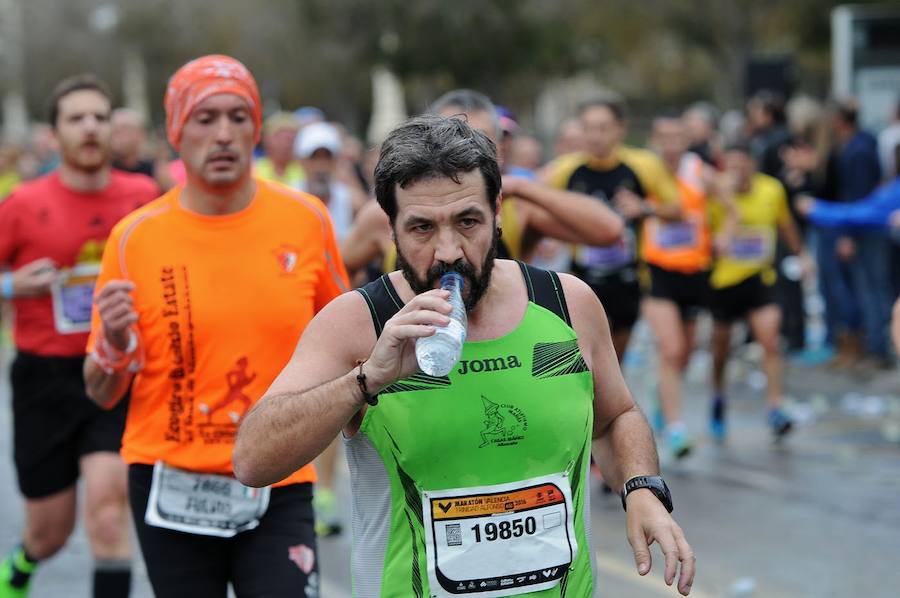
x=654 y=483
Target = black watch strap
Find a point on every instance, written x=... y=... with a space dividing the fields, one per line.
x=654 y=483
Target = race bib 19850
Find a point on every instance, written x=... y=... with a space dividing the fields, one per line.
x=205 y=504
x=499 y=540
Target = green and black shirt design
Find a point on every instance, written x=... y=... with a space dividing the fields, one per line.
x=514 y=408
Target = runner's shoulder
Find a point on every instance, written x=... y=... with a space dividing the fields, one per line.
x=576 y=291
x=293 y=201
x=34 y=190
x=151 y=211
x=585 y=308
x=345 y=319
x=561 y=169
x=765 y=184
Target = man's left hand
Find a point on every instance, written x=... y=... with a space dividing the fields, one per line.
x=648 y=522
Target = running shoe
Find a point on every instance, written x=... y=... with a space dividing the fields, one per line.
x=678 y=441
x=780 y=423
x=8 y=574
x=717 y=427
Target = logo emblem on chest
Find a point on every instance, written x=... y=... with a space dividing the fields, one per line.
x=491 y=364
x=504 y=424
x=287 y=256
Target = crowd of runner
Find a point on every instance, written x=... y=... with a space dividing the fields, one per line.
x=186 y=346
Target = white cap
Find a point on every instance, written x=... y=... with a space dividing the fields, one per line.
x=317 y=136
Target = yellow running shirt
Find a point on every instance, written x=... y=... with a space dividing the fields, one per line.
x=761 y=210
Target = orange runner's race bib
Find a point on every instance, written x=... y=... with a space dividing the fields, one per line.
x=676 y=235
x=203 y=504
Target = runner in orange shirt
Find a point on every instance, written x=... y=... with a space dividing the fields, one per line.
x=202 y=297
x=678 y=255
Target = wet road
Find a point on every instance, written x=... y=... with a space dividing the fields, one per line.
x=815 y=517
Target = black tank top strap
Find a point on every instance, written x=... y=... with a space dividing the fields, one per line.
x=545 y=289
x=543 y=286
x=383 y=301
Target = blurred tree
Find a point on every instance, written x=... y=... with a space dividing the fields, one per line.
x=321 y=52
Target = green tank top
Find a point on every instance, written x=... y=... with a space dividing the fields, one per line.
x=476 y=484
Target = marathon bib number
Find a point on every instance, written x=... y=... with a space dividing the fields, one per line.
x=676 y=235
x=204 y=504
x=499 y=540
x=610 y=258
x=752 y=244
x=73 y=298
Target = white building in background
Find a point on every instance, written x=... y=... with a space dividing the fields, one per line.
x=388 y=104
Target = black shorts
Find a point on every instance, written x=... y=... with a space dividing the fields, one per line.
x=735 y=302
x=690 y=292
x=55 y=423
x=621 y=300
x=278 y=559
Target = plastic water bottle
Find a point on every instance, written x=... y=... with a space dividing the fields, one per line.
x=438 y=353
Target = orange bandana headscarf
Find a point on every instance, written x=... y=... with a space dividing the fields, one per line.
x=204 y=77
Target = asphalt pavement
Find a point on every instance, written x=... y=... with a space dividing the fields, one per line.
x=816 y=516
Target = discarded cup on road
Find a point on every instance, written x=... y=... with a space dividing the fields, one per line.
x=745 y=586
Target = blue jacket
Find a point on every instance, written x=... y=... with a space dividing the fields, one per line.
x=870 y=212
x=858 y=167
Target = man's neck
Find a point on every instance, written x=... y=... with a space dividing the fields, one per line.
x=84 y=181
x=608 y=160
x=210 y=201
x=673 y=163
x=279 y=166
x=845 y=134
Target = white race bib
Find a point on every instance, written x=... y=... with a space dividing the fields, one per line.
x=204 y=504
x=500 y=540
x=752 y=244
x=676 y=235
x=73 y=297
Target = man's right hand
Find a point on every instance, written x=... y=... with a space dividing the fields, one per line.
x=845 y=249
x=804 y=204
x=34 y=278
x=116 y=309
x=394 y=355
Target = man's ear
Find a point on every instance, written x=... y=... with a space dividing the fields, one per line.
x=497 y=203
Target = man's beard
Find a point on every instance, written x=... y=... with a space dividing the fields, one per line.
x=72 y=157
x=476 y=285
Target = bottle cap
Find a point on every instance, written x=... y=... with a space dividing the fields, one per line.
x=452 y=279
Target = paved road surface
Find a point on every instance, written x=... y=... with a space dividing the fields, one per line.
x=817 y=517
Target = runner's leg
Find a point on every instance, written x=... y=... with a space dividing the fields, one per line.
x=325 y=501
x=106 y=522
x=178 y=564
x=279 y=559
x=765 y=323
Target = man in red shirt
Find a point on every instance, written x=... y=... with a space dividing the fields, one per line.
x=52 y=233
